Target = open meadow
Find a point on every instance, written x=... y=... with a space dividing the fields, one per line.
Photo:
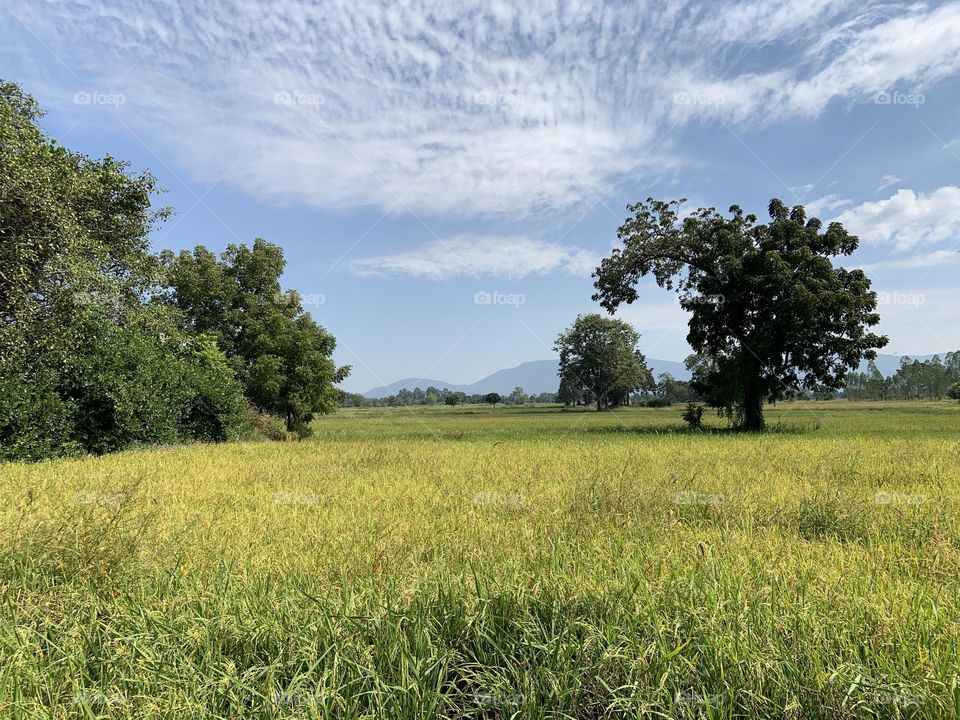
x=492 y=563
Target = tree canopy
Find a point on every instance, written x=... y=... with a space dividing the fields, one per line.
x=282 y=357
x=770 y=313
x=600 y=354
x=90 y=361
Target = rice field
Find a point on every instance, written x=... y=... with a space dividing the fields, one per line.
x=495 y=563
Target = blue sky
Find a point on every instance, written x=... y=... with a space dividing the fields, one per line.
x=443 y=176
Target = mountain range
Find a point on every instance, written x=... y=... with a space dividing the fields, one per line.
x=539 y=376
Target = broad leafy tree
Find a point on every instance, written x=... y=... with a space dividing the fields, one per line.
x=455 y=398
x=600 y=354
x=518 y=396
x=89 y=361
x=283 y=358
x=492 y=398
x=770 y=313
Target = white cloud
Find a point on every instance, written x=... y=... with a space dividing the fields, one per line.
x=888 y=181
x=476 y=256
x=907 y=219
x=824 y=205
x=919 y=320
x=921 y=260
x=469 y=107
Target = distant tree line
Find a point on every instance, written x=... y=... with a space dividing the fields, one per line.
x=105 y=345
x=933 y=379
x=437 y=396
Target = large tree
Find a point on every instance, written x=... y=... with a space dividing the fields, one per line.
x=770 y=313
x=282 y=356
x=89 y=362
x=600 y=354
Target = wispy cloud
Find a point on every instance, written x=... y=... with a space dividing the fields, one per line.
x=921 y=260
x=825 y=205
x=478 y=256
x=907 y=218
x=470 y=107
x=888 y=181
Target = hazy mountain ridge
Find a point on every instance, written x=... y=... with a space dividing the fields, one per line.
x=539 y=376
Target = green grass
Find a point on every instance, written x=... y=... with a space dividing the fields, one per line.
x=477 y=562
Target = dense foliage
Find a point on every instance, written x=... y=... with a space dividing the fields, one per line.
x=599 y=356
x=282 y=357
x=770 y=314
x=95 y=355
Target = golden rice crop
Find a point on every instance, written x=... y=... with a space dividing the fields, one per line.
x=476 y=562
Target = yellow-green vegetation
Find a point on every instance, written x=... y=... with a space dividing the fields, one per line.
x=477 y=562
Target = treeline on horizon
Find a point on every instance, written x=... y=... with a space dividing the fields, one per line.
x=105 y=345
x=667 y=391
x=933 y=379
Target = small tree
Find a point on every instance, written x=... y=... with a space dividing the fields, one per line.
x=455 y=398
x=693 y=416
x=518 y=396
x=282 y=357
x=492 y=398
x=601 y=354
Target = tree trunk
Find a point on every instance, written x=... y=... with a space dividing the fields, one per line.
x=599 y=407
x=753 y=409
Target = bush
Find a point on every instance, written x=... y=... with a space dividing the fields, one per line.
x=215 y=408
x=657 y=402
x=693 y=416
x=122 y=387
x=35 y=422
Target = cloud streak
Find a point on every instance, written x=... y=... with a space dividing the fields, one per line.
x=479 y=256
x=474 y=107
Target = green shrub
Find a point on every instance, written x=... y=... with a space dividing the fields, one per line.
x=35 y=422
x=121 y=388
x=693 y=416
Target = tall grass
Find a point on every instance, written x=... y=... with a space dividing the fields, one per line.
x=499 y=563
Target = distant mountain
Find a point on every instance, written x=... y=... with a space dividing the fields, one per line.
x=535 y=377
x=540 y=376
